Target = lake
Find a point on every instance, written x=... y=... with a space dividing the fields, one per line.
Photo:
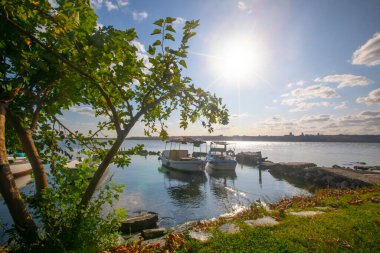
x=179 y=197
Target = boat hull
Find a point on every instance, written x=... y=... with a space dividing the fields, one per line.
x=187 y=165
x=19 y=167
x=222 y=164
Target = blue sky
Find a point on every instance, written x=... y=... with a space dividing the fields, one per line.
x=280 y=66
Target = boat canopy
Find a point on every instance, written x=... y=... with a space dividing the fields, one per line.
x=186 y=140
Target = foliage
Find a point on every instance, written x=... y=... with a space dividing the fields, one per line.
x=52 y=58
x=173 y=243
x=59 y=207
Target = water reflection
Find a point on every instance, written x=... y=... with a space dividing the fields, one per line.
x=184 y=189
x=221 y=182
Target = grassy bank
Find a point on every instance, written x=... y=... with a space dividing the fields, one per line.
x=350 y=222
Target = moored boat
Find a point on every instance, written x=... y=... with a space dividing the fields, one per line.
x=180 y=159
x=219 y=158
x=19 y=166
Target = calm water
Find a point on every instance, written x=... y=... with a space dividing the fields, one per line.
x=178 y=197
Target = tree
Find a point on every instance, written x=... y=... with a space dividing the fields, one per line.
x=46 y=48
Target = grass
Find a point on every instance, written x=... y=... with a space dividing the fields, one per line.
x=350 y=223
x=353 y=224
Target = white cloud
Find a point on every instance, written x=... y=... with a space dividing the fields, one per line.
x=99 y=25
x=342 y=105
x=305 y=106
x=316 y=118
x=360 y=120
x=372 y=98
x=96 y=3
x=179 y=21
x=139 y=16
x=300 y=96
x=85 y=110
x=369 y=53
x=140 y=47
x=367 y=122
x=141 y=53
x=315 y=91
x=242 y=6
x=299 y=83
x=369 y=114
x=345 y=80
x=122 y=2
x=111 y=6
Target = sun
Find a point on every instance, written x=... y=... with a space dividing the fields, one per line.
x=237 y=59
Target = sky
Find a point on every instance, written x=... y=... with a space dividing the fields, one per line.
x=280 y=66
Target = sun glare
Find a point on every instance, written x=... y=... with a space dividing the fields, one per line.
x=237 y=60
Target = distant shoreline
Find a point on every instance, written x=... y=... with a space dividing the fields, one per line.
x=285 y=138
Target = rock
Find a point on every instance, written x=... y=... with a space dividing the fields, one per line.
x=305 y=213
x=183 y=228
x=264 y=221
x=139 y=223
x=153 y=233
x=200 y=236
x=229 y=228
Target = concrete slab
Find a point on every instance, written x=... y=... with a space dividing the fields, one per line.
x=264 y=221
x=229 y=228
x=305 y=213
x=200 y=236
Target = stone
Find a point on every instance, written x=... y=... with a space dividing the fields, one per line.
x=200 y=236
x=264 y=221
x=139 y=223
x=229 y=228
x=305 y=213
x=153 y=233
x=183 y=228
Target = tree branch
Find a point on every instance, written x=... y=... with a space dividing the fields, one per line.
x=76 y=136
x=39 y=105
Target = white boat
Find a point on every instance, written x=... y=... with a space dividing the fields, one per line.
x=219 y=158
x=180 y=159
x=19 y=166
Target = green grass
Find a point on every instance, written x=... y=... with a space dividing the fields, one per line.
x=351 y=227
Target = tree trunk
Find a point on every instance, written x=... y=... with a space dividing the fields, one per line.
x=26 y=138
x=102 y=167
x=20 y=214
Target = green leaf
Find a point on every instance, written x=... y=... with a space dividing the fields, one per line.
x=156 y=31
x=170 y=28
x=168 y=36
x=157 y=43
x=183 y=63
x=169 y=20
x=159 y=22
x=151 y=50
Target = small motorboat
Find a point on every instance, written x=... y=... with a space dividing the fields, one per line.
x=19 y=166
x=180 y=159
x=219 y=158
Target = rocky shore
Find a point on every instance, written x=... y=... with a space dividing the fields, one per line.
x=312 y=177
